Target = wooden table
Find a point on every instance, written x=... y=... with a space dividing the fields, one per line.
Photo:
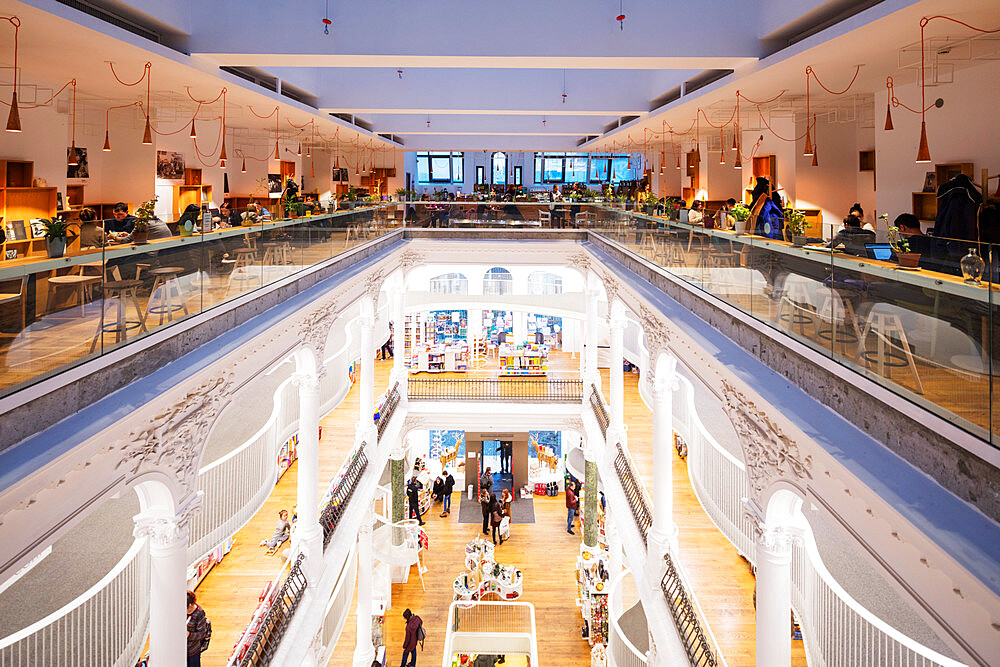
x=79 y=282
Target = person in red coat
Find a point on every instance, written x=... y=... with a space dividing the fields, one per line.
x=413 y=623
x=572 y=504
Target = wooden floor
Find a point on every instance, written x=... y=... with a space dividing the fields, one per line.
x=544 y=552
x=965 y=394
x=62 y=335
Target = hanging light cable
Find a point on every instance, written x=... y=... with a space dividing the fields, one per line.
x=14 y=117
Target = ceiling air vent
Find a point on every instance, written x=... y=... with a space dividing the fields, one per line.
x=114 y=19
x=704 y=78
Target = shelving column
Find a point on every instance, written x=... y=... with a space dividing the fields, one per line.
x=663 y=535
x=308 y=536
x=774 y=601
x=591 y=497
x=364 y=650
x=397 y=481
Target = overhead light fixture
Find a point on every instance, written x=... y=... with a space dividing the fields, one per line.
x=298 y=150
x=735 y=132
x=147 y=134
x=193 y=135
x=739 y=161
x=888 y=117
x=222 y=163
x=107 y=143
x=808 y=150
x=14 y=117
x=277 y=155
x=923 y=151
x=222 y=152
x=243 y=169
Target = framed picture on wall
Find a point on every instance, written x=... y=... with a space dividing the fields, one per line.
x=59 y=200
x=930 y=182
x=340 y=174
x=82 y=168
x=169 y=165
x=274 y=185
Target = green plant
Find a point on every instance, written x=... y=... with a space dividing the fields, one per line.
x=795 y=220
x=899 y=243
x=741 y=212
x=652 y=199
x=143 y=214
x=57 y=228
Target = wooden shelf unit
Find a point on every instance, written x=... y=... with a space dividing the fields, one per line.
x=185 y=195
x=20 y=201
x=925 y=205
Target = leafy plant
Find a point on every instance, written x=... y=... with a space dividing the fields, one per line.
x=795 y=220
x=741 y=212
x=57 y=228
x=144 y=213
x=652 y=199
x=898 y=242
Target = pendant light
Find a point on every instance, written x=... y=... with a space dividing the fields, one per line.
x=193 y=135
x=298 y=150
x=147 y=134
x=107 y=143
x=243 y=168
x=923 y=151
x=888 y=117
x=71 y=160
x=14 y=117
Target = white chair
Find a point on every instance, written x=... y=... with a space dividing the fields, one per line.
x=545 y=218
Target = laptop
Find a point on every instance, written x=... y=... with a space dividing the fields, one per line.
x=682 y=215
x=880 y=251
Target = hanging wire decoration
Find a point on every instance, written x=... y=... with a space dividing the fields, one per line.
x=621 y=15
x=326 y=19
x=564 y=88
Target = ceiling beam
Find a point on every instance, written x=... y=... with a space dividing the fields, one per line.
x=341 y=60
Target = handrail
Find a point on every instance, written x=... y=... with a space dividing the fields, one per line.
x=634 y=654
x=635 y=494
x=600 y=411
x=125 y=561
x=334 y=510
x=547 y=390
x=685 y=618
x=388 y=408
x=272 y=629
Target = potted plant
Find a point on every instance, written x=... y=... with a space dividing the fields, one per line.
x=143 y=214
x=795 y=220
x=55 y=236
x=901 y=245
x=652 y=201
x=402 y=194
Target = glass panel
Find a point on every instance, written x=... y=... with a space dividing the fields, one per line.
x=423 y=169
x=499 y=168
x=553 y=170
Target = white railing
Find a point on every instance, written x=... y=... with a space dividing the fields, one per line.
x=836 y=628
x=501 y=628
x=621 y=651
x=235 y=486
x=719 y=479
x=106 y=625
x=339 y=606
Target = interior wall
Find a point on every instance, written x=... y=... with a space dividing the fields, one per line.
x=965 y=129
x=832 y=185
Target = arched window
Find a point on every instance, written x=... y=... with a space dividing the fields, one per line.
x=498 y=282
x=450 y=283
x=499 y=169
x=543 y=282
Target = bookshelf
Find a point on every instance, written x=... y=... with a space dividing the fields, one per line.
x=413 y=337
x=925 y=203
x=20 y=203
x=523 y=360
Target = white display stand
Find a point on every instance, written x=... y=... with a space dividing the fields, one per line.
x=485 y=576
x=440 y=359
x=593 y=572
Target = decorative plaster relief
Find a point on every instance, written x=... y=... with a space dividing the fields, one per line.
x=769 y=453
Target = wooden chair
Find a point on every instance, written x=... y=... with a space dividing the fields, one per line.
x=20 y=295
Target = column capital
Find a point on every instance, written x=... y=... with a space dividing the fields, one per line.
x=366 y=321
x=164 y=530
x=305 y=381
x=617 y=324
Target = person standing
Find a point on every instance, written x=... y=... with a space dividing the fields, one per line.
x=484 y=501
x=197 y=630
x=572 y=504
x=413 y=496
x=446 y=490
x=506 y=454
x=496 y=516
x=413 y=624
x=486 y=480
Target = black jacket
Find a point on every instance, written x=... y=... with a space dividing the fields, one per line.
x=958 y=204
x=854 y=240
x=413 y=489
x=449 y=485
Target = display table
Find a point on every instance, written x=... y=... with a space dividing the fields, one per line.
x=440 y=359
x=486 y=576
x=528 y=359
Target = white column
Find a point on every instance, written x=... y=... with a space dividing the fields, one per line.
x=366 y=399
x=520 y=330
x=664 y=532
x=167 y=587
x=616 y=562
x=308 y=535
x=398 y=329
x=617 y=375
x=774 y=601
x=590 y=365
x=364 y=650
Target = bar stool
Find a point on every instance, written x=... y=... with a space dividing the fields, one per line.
x=119 y=294
x=277 y=253
x=244 y=270
x=166 y=297
x=888 y=326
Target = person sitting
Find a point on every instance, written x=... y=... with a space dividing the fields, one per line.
x=192 y=214
x=122 y=223
x=263 y=212
x=696 y=215
x=157 y=229
x=226 y=217
x=437 y=488
x=859 y=212
x=852 y=237
x=281 y=532
x=91 y=231
x=724 y=218
x=253 y=214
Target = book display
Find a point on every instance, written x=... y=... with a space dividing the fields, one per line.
x=523 y=360
x=592 y=575
x=496 y=321
x=440 y=358
x=413 y=336
x=549 y=327
x=485 y=576
x=447 y=326
x=197 y=572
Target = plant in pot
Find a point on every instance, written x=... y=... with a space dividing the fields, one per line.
x=740 y=213
x=795 y=220
x=143 y=214
x=402 y=194
x=901 y=245
x=55 y=236
x=652 y=202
